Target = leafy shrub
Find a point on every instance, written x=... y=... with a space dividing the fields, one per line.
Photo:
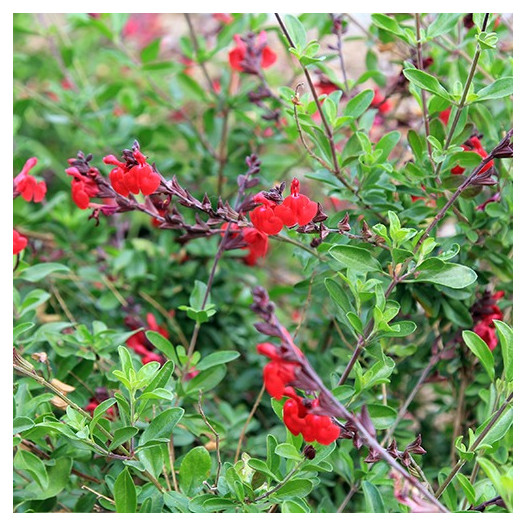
x=263 y=263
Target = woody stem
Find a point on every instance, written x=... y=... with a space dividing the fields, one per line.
x=328 y=129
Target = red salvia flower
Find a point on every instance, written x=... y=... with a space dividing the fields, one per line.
x=313 y=427
x=135 y=176
x=19 y=242
x=251 y=54
x=296 y=208
x=257 y=244
x=278 y=373
x=82 y=188
x=264 y=218
x=27 y=186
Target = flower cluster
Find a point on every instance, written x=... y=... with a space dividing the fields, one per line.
x=299 y=414
x=26 y=186
x=251 y=53
x=140 y=344
x=487 y=310
x=298 y=419
x=134 y=175
x=296 y=209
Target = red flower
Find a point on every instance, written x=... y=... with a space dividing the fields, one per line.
x=444 y=116
x=325 y=87
x=82 y=188
x=485 y=328
x=27 y=186
x=140 y=344
x=134 y=176
x=278 y=373
x=257 y=244
x=251 y=53
x=379 y=101
x=313 y=427
x=225 y=18
x=143 y=27
x=473 y=144
x=296 y=208
x=19 y=242
x=264 y=218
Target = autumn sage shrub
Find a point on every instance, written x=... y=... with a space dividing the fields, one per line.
x=262 y=263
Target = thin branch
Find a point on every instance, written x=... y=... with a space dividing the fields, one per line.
x=195 y=44
x=209 y=425
x=328 y=129
x=432 y=362
x=463 y=99
x=244 y=430
x=420 y=65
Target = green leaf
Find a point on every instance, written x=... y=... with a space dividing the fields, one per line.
x=355 y=321
x=161 y=378
x=32 y=464
x=162 y=344
x=21 y=328
x=125 y=359
x=40 y=271
x=373 y=499
x=206 y=380
x=294 y=488
x=481 y=350
x=21 y=424
x=288 y=451
x=337 y=293
x=506 y=344
x=354 y=258
x=497 y=431
x=260 y=465
x=124 y=493
x=387 y=23
x=467 y=487
x=443 y=23
x=162 y=425
x=58 y=475
x=198 y=295
x=499 y=89
x=426 y=81
x=296 y=31
x=122 y=435
x=216 y=358
x=359 y=103
x=195 y=468
x=381 y=415
x=449 y=274
x=151 y=51
x=386 y=145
